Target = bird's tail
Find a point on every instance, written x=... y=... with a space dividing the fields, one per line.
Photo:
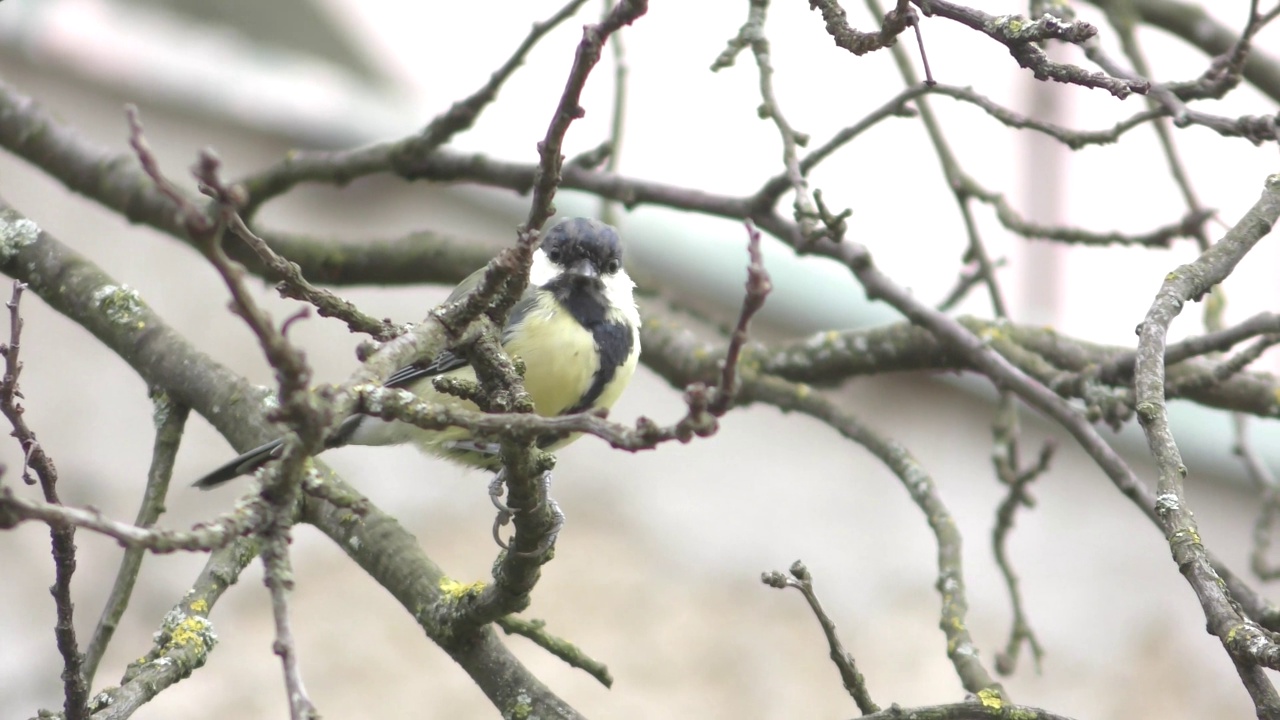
x=245 y=463
x=250 y=461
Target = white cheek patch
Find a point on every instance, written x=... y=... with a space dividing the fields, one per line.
x=543 y=270
x=617 y=290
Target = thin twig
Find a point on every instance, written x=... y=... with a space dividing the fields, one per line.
x=536 y=632
x=74 y=683
x=1222 y=371
x=403 y=155
x=170 y=419
x=957 y=180
x=759 y=285
x=752 y=35
x=294 y=285
x=279 y=581
x=1017 y=479
x=861 y=43
x=1191 y=225
x=1123 y=24
x=1023 y=36
x=547 y=177
x=853 y=680
x=898 y=106
x=309 y=423
x=617 y=118
x=1268 y=488
x=246 y=519
x=969 y=278
x=961 y=648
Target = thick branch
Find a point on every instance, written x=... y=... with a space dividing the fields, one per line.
x=1247 y=643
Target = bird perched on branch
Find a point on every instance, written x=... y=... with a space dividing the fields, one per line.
x=576 y=328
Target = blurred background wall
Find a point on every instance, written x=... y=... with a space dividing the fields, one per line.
x=657 y=570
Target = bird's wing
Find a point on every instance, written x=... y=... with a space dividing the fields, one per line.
x=442 y=363
x=523 y=307
x=448 y=360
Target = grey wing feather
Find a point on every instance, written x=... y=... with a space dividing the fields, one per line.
x=447 y=360
x=518 y=313
x=442 y=363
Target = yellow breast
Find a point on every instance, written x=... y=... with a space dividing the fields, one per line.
x=559 y=356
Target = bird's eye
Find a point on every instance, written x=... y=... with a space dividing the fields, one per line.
x=613 y=266
x=554 y=255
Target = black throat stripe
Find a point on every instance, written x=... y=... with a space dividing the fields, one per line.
x=613 y=342
x=587 y=304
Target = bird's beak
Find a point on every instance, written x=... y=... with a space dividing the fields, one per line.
x=584 y=268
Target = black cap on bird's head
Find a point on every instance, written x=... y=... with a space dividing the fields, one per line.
x=584 y=247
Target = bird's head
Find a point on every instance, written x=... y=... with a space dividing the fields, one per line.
x=578 y=251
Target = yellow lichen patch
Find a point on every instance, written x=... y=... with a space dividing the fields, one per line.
x=456 y=590
x=803 y=391
x=990 y=698
x=199 y=607
x=194 y=632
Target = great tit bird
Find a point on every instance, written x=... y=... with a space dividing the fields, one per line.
x=576 y=328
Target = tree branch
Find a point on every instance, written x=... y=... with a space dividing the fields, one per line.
x=1248 y=645
x=170 y=421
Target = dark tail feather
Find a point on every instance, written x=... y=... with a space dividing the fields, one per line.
x=263 y=454
x=246 y=463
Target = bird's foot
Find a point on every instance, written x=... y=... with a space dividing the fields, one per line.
x=498 y=486
x=506 y=513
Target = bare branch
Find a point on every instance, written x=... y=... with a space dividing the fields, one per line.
x=759 y=285
x=1269 y=491
x=170 y=420
x=853 y=680
x=618 y=114
x=536 y=632
x=957 y=180
x=184 y=640
x=1249 y=646
x=246 y=519
x=961 y=649
x=351 y=164
x=1017 y=479
x=547 y=177
x=74 y=683
x=1021 y=36
x=861 y=43
x=279 y=581
x=1196 y=26
x=752 y=35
